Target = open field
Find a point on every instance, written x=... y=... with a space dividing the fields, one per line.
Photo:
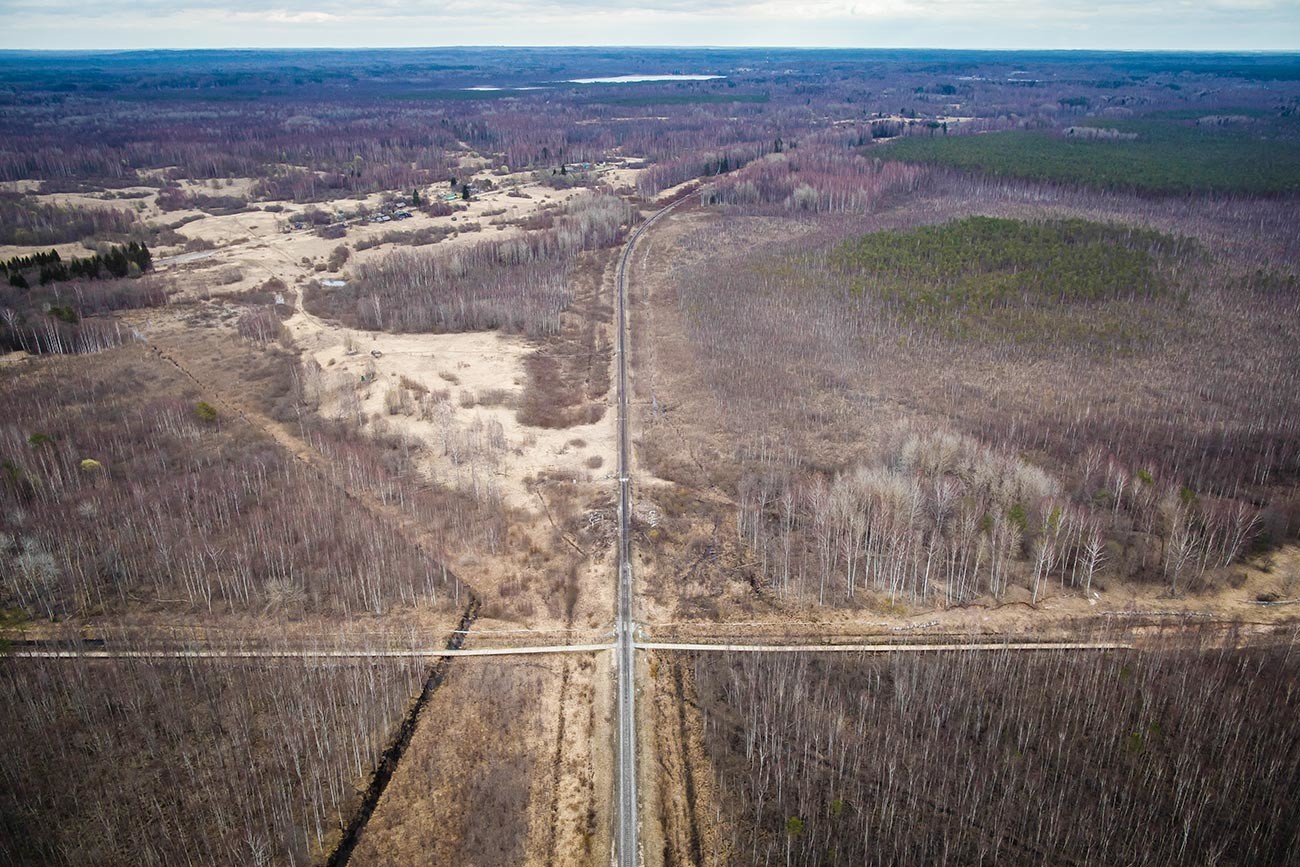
x=520 y=782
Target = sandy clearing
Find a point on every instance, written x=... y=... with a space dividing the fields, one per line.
x=186 y=258
x=66 y=251
x=96 y=200
x=144 y=203
x=262 y=239
x=26 y=185
x=226 y=229
x=479 y=447
x=667 y=194
x=241 y=187
x=618 y=178
x=469 y=444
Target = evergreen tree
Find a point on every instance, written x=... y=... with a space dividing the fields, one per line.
x=116 y=262
x=139 y=255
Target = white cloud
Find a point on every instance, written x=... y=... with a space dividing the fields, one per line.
x=284 y=16
x=1195 y=24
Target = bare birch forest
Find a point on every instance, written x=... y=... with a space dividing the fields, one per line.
x=960 y=758
x=932 y=407
x=111 y=502
x=516 y=285
x=199 y=761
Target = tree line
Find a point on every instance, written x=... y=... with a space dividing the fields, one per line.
x=28 y=223
x=43 y=268
x=517 y=284
x=943 y=518
x=51 y=316
x=1151 y=156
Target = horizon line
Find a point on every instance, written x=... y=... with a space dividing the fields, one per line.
x=654 y=47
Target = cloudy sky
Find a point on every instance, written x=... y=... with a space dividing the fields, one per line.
x=1159 y=24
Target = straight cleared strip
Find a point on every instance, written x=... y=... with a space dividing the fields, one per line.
x=627 y=851
x=304 y=654
x=889 y=648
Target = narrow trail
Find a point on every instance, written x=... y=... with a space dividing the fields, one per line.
x=392 y=754
x=214 y=654
x=1170 y=639
x=890 y=648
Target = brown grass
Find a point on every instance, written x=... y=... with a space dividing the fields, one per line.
x=751 y=367
x=568 y=376
x=499 y=773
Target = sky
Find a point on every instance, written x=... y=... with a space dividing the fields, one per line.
x=1209 y=25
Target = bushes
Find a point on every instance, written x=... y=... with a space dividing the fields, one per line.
x=411 y=237
x=339 y=257
x=176 y=199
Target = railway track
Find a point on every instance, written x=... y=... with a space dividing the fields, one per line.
x=625 y=833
